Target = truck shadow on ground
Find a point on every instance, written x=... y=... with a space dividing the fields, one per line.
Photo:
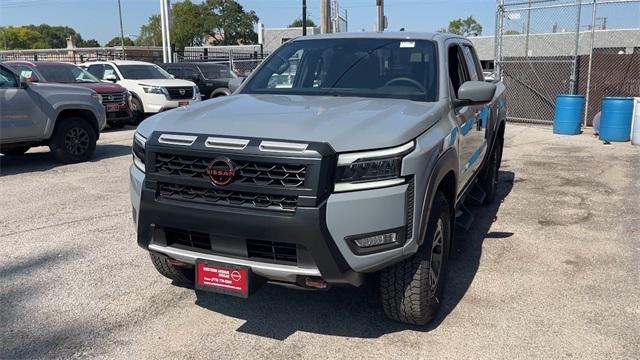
x=43 y=161
x=277 y=313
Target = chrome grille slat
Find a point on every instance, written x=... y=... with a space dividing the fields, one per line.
x=114 y=98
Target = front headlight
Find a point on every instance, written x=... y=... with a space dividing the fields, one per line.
x=371 y=169
x=98 y=97
x=138 y=149
x=154 y=90
x=196 y=92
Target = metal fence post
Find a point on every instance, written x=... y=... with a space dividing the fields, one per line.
x=499 y=36
x=574 y=73
x=592 y=45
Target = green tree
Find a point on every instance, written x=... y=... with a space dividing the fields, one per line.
x=150 y=33
x=116 y=41
x=22 y=37
x=189 y=24
x=465 y=27
x=298 y=23
x=89 y=43
x=229 y=24
x=511 y=32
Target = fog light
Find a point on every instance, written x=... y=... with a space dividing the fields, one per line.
x=376 y=240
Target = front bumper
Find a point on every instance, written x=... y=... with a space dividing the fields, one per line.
x=159 y=103
x=318 y=232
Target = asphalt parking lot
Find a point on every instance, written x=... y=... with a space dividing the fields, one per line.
x=550 y=271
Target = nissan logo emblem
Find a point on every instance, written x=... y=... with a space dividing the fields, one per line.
x=221 y=171
x=182 y=91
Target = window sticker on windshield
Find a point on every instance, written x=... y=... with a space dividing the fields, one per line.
x=407 y=44
x=26 y=73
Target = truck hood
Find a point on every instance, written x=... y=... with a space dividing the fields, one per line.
x=346 y=123
x=103 y=87
x=162 y=82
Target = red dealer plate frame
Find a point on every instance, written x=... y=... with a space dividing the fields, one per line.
x=223 y=278
x=183 y=103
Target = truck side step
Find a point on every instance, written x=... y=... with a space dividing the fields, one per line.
x=476 y=195
x=464 y=217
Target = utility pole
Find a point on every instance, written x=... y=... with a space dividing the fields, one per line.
x=304 y=17
x=124 y=55
x=325 y=16
x=380 y=24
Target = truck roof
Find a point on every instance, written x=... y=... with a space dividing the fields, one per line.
x=383 y=35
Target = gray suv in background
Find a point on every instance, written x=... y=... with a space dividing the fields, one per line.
x=66 y=118
x=341 y=156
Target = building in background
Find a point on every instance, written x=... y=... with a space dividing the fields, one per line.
x=272 y=38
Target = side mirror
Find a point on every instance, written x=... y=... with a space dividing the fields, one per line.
x=111 y=77
x=195 y=79
x=23 y=83
x=475 y=93
x=235 y=83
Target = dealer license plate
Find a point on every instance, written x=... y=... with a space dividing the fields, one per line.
x=223 y=278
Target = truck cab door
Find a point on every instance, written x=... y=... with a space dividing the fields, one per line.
x=472 y=145
x=21 y=115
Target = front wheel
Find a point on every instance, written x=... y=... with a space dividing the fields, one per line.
x=411 y=290
x=491 y=174
x=185 y=276
x=74 y=140
x=138 y=111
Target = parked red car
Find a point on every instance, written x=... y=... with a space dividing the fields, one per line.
x=115 y=98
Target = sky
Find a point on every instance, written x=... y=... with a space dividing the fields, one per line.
x=98 y=19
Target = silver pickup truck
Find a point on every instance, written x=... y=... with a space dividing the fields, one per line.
x=341 y=156
x=66 y=118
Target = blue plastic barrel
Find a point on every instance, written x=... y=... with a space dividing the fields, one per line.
x=569 y=114
x=615 y=123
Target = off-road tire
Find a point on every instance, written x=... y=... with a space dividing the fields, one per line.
x=406 y=287
x=16 y=151
x=64 y=146
x=491 y=175
x=185 y=276
x=138 y=111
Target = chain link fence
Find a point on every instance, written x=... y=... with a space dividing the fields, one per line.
x=544 y=48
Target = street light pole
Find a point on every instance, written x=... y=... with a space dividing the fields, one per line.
x=380 y=11
x=304 y=17
x=124 y=55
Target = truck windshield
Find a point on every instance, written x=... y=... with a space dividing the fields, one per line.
x=379 y=68
x=66 y=74
x=140 y=72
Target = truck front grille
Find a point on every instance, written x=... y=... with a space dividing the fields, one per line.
x=115 y=98
x=235 y=198
x=254 y=173
x=261 y=250
x=178 y=93
x=277 y=252
x=189 y=239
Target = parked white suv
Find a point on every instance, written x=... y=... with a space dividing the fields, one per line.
x=152 y=89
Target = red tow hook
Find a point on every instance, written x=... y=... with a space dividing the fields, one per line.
x=315 y=282
x=178 y=263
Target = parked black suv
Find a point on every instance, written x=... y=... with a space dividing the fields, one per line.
x=212 y=79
